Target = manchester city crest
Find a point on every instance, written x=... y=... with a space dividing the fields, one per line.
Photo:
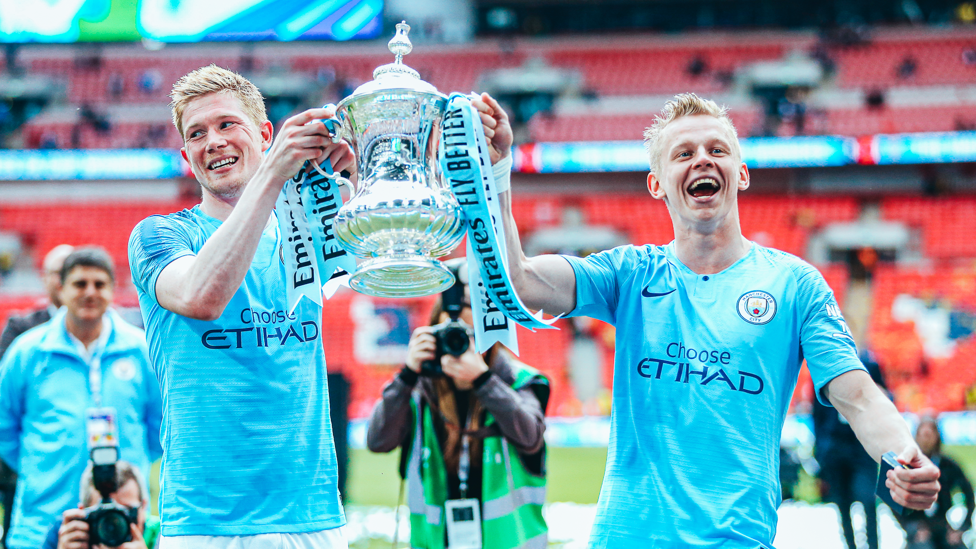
x=756 y=307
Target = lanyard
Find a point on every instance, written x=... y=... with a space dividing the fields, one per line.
x=94 y=360
x=464 y=466
x=464 y=462
x=95 y=376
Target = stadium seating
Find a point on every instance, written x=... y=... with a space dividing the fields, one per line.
x=119 y=135
x=928 y=368
x=608 y=67
x=938 y=60
x=456 y=70
x=121 y=75
x=866 y=121
x=616 y=127
x=948 y=225
x=615 y=70
x=43 y=226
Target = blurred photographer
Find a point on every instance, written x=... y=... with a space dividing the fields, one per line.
x=931 y=529
x=471 y=428
x=72 y=532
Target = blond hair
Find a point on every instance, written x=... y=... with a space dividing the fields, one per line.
x=214 y=79
x=685 y=104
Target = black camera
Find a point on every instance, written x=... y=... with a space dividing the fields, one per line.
x=108 y=522
x=454 y=336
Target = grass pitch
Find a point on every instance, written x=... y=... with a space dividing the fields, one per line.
x=575 y=475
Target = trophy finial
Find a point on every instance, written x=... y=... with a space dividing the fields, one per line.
x=400 y=43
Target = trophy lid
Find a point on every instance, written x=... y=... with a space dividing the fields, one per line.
x=396 y=75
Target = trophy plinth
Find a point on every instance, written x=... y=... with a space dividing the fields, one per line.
x=402 y=215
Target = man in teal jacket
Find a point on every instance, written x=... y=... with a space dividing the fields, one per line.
x=85 y=363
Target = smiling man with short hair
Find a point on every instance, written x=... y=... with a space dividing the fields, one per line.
x=711 y=332
x=250 y=457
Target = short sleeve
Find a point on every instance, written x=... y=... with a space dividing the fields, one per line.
x=825 y=339
x=155 y=242
x=598 y=281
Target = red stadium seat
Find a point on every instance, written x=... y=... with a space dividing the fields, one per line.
x=875 y=65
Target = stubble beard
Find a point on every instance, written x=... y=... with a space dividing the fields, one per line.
x=226 y=191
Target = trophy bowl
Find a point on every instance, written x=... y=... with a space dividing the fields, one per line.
x=402 y=215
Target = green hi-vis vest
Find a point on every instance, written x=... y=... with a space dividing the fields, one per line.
x=511 y=496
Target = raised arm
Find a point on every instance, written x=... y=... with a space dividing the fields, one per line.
x=880 y=429
x=543 y=282
x=200 y=286
x=518 y=413
x=391 y=421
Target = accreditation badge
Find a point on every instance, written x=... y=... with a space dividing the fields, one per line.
x=463 y=523
x=102 y=427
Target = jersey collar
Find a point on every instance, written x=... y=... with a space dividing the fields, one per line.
x=669 y=252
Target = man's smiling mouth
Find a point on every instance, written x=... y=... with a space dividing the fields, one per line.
x=221 y=163
x=704 y=187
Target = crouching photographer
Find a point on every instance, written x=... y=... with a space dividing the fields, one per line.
x=471 y=428
x=113 y=511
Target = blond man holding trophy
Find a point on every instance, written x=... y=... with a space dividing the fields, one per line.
x=246 y=432
x=711 y=331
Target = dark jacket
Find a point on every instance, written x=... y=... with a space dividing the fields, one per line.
x=519 y=415
x=17 y=325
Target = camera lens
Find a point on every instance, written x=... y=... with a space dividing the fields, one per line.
x=112 y=528
x=454 y=340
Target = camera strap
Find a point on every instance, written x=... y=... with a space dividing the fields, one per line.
x=463 y=516
x=464 y=460
x=464 y=465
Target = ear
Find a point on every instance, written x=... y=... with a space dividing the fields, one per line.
x=654 y=187
x=267 y=135
x=187 y=158
x=743 y=177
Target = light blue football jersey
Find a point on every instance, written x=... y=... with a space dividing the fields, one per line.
x=705 y=367
x=246 y=434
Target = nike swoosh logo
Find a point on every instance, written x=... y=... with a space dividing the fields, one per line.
x=645 y=293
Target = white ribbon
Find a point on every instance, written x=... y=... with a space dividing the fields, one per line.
x=314 y=261
x=322 y=201
x=466 y=164
x=298 y=248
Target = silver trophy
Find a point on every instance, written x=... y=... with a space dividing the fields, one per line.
x=402 y=214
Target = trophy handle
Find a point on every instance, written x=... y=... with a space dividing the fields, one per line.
x=343 y=182
x=334 y=126
x=329 y=175
x=332 y=176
